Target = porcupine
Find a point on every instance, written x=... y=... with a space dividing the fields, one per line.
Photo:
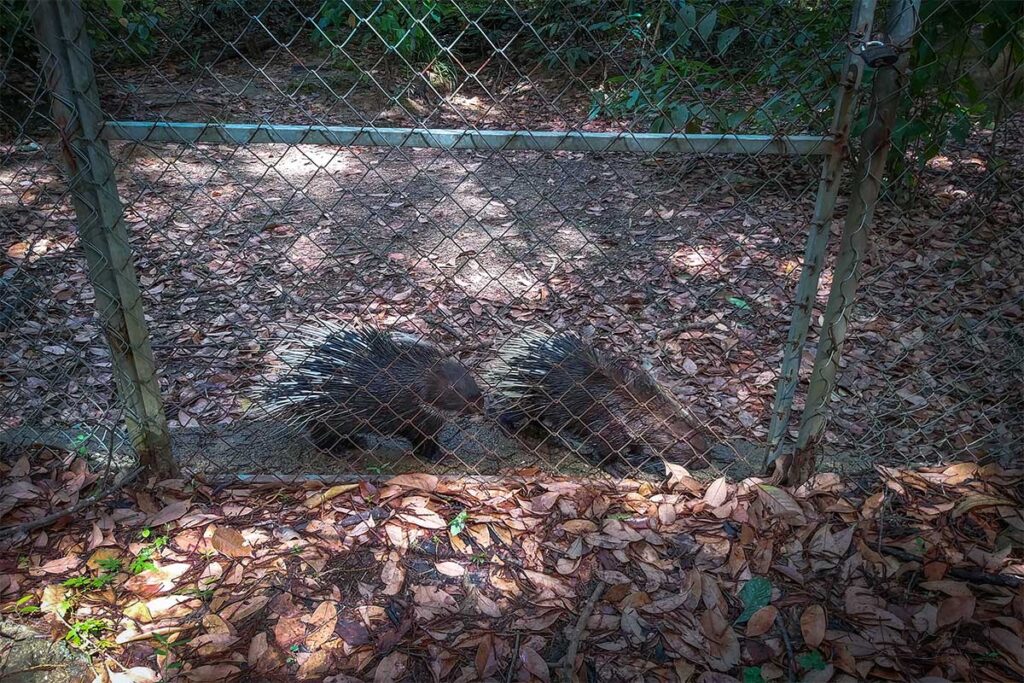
x=347 y=381
x=558 y=382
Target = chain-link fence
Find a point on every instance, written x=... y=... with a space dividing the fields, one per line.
x=656 y=179
x=934 y=364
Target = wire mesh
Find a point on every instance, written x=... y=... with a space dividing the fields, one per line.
x=935 y=363
x=685 y=263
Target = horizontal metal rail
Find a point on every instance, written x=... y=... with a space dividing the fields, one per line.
x=484 y=140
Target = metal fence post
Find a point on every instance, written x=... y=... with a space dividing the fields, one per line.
x=68 y=71
x=817 y=234
x=887 y=89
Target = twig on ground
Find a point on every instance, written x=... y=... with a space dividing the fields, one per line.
x=970 y=575
x=790 y=658
x=512 y=664
x=569 y=663
x=25 y=527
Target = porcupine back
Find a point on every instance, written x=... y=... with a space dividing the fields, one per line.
x=347 y=380
x=562 y=382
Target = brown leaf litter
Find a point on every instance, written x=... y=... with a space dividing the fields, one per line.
x=426 y=578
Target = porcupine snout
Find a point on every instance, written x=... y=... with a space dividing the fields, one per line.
x=452 y=387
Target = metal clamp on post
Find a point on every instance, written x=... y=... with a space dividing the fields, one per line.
x=877 y=54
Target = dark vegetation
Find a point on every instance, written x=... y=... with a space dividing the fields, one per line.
x=765 y=66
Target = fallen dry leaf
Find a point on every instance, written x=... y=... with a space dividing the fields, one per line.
x=955 y=609
x=453 y=569
x=170 y=513
x=422 y=482
x=391 y=669
x=534 y=664
x=61 y=565
x=812 y=625
x=136 y=674
x=213 y=672
x=228 y=541
x=762 y=621
x=320 y=497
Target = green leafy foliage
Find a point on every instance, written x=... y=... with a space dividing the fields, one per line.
x=458 y=523
x=22 y=606
x=709 y=66
x=109 y=567
x=963 y=62
x=89 y=583
x=403 y=29
x=86 y=633
x=812 y=661
x=166 y=646
x=752 y=674
x=755 y=594
x=126 y=28
x=143 y=561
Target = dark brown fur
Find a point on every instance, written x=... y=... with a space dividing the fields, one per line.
x=622 y=415
x=346 y=382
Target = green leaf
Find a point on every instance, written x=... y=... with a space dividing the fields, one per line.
x=109 y=564
x=755 y=594
x=116 y=7
x=707 y=25
x=812 y=660
x=634 y=97
x=752 y=674
x=687 y=16
x=458 y=523
x=680 y=115
x=725 y=39
x=739 y=303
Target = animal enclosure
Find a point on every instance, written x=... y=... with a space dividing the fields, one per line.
x=182 y=188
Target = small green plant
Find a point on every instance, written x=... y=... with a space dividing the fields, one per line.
x=86 y=634
x=166 y=647
x=65 y=606
x=204 y=594
x=109 y=567
x=89 y=583
x=619 y=516
x=144 y=560
x=78 y=444
x=22 y=606
x=458 y=523
x=479 y=558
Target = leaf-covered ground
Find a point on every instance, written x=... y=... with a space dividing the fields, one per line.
x=689 y=262
x=920 y=577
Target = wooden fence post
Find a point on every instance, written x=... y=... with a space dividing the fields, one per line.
x=67 y=68
x=887 y=89
x=817 y=234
